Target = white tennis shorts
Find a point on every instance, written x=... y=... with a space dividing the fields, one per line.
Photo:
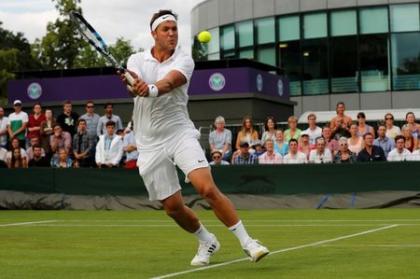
x=158 y=167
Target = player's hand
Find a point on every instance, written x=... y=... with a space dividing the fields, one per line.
x=140 y=88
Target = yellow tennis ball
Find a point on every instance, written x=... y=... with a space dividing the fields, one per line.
x=204 y=37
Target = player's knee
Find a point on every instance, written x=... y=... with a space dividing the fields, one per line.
x=209 y=192
x=174 y=210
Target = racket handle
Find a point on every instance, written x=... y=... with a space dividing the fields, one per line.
x=129 y=78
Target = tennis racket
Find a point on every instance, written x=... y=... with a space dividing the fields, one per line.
x=93 y=37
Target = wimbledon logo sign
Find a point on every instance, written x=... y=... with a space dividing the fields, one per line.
x=34 y=90
x=217 y=81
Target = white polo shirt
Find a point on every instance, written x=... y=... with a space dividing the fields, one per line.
x=298 y=158
x=395 y=156
x=316 y=158
x=158 y=119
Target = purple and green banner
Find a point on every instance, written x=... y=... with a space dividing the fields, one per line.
x=204 y=82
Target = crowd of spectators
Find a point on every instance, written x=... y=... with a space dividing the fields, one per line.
x=90 y=140
x=65 y=141
x=342 y=140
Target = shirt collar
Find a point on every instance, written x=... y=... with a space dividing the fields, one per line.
x=148 y=55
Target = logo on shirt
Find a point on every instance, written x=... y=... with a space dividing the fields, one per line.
x=280 y=87
x=34 y=90
x=260 y=82
x=217 y=81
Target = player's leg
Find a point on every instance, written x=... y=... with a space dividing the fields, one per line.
x=187 y=219
x=203 y=182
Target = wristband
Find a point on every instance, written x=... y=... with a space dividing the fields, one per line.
x=153 y=90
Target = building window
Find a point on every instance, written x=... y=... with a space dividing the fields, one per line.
x=315 y=25
x=289 y=28
x=266 y=55
x=343 y=59
x=315 y=67
x=228 y=37
x=343 y=23
x=406 y=60
x=374 y=20
x=405 y=18
x=290 y=60
x=246 y=53
x=246 y=33
x=213 y=45
x=374 y=63
x=265 y=30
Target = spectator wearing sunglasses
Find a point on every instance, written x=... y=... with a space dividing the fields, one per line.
x=391 y=130
x=344 y=155
x=91 y=118
x=217 y=159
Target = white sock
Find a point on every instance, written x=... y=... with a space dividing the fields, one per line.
x=203 y=234
x=240 y=232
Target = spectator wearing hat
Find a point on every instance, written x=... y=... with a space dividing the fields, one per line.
x=399 y=153
x=344 y=155
x=37 y=159
x=4 y=125
x=68 y=119
x=92 y=120
x=304 y=145
x=245 y=157
x=331 y=143
x=270 y=156
x=18 y=121
x=257 y=148
x=294 y=156
x=270 y=128
x=221 y=138
x=383 y=141
x=109 y=149
x=362 y=127
x=321 y=154
x=313 y=130
x=217 y=159
x=108 y=116
x=391 y=130
x=371 y=152
x=60 y=139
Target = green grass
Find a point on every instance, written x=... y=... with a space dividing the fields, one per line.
x=144 y=244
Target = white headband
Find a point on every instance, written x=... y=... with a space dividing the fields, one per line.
x=161 y=19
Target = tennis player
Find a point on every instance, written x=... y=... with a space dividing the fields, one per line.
x=166 y=137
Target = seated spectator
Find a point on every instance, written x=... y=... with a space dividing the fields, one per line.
x=344 y=155
x=83 y=146
x=331 y=143
x=410 y=141
x=4 y=126
x=37 y=159
x=60 y=139
x=270 y=156
x=383 y=141
x=247 y=133
x=108 y=116
x=61 y=159
x=415 y=155
x=341 y=119
x=362 y=127
x=217 y=159
x=280 y=146
x=270 y=128
x=355 y=142
x=320 y=155
x=370 y=152
x=411 y=124
x=304 y=145
x=47 y=129
x=109 y=149
x=3 y=157
x=244 y=157
x=17 y=160
x=293 y=132
x=313 y=130
x=68 y=119
x=221 y=138
x=15 y=143
x=130 y=149
x=257 y=148
x=399 y=153
x=294 y=156
x=340 y=129
x=391 y=130
x=30 y=151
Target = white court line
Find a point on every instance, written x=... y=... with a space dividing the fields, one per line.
x=27 y=223
x=212 y=226
x=297 y=220
x=318 y=243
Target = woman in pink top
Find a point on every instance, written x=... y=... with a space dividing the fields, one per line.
x=355 y=142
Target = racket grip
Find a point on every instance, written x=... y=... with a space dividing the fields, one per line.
x=129 y=78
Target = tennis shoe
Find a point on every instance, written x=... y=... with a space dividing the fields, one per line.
x=205 y=250
x=255 y=250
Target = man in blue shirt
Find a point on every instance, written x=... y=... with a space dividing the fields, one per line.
x=383 y=141
x=244 y=157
